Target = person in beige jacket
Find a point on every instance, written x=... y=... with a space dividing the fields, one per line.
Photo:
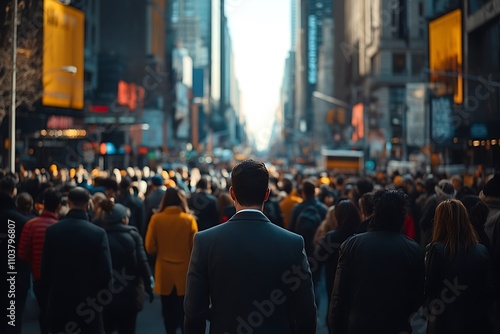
x=170 y=237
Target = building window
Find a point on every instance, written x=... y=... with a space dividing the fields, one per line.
x=399 y=63
x=417 y=63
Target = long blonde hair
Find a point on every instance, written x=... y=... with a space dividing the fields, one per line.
x=453 y=227
x=330 y=223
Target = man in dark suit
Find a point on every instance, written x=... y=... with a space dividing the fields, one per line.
x=76 y=281
x=204 y=205
x=249 y=275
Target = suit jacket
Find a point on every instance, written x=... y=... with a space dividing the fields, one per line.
x=76 y=274
x=256 y=277
x=170 y=236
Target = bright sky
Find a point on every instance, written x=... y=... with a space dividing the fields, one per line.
x=261 y=34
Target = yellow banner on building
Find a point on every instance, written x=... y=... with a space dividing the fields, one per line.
x=63 y=58
x=445 y=53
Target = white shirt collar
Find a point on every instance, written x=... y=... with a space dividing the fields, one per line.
x=249 y=210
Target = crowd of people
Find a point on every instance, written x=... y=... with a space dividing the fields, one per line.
x=397 y=253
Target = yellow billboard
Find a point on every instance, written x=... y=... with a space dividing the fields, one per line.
x=445 y=53
x=63 y=43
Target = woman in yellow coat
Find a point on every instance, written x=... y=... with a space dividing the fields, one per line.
x=170 y=237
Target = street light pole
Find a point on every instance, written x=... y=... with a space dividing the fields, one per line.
x=12 y=118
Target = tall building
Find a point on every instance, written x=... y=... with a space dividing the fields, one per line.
x=382 y=50
x=481 y=112
x=310 y=17
x=134 y=84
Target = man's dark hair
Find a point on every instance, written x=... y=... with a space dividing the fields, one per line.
x=125 y=183
x=79 y=196
x=308 y=189
x=51 y=199
x=250 y=181
x=287 y=186
x=110 y=183
x=364 y=186
x=8 y=184
x=203 y=183
x=389 y=210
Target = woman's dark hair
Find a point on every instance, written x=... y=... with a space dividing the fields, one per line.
x=347 y=216
x=174 y=197
x=24 y=202
x=250 y=181
x=107 y=205
x=389 y=210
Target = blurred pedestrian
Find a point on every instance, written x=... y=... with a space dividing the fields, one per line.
x=287 y=204
x=24 y=204
x=129 y=259
x=380 y=274
x=458 y=289
x=134 y=204
x=170 y=237
x=204 y=205
x=75 y=275
x=225 y=206
x=31 y=244
x=11 y=226
x=248 y=274
x=348 y=220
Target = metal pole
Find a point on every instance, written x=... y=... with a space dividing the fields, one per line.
x=12 y=118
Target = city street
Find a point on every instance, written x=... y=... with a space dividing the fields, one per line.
x=149 y=320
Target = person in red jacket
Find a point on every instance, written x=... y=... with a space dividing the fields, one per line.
x=32 y=239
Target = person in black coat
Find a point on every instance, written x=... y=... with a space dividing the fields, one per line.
x=11 y=226
x=348 y=220
x=380 y=275
x=135 y=204
x=76 y=280
x=204 y=205
x=249 y=275
x=128 y=257
x=458 y=284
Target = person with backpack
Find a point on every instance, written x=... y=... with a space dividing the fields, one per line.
x=308 y=215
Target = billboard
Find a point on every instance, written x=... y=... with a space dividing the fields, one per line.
x=445 y=53
x=415 y=114
x=358 y=123
x=442 y=129
x=63 y=42
x=153 y=137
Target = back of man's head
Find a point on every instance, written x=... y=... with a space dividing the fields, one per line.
x=250 y=181
x=125 y=183
x=8 y=184
x=389 y=210
x=203 y=183
x=79 y=198
x=287 y=186
x=308 y=189
x=51 y=199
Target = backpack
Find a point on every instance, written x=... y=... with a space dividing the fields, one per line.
x=308 y=222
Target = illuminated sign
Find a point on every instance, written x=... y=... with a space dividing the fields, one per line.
x=445 y=53
x=358 y=122
x=312 y=54
x=63 y=32
x=442 y=131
